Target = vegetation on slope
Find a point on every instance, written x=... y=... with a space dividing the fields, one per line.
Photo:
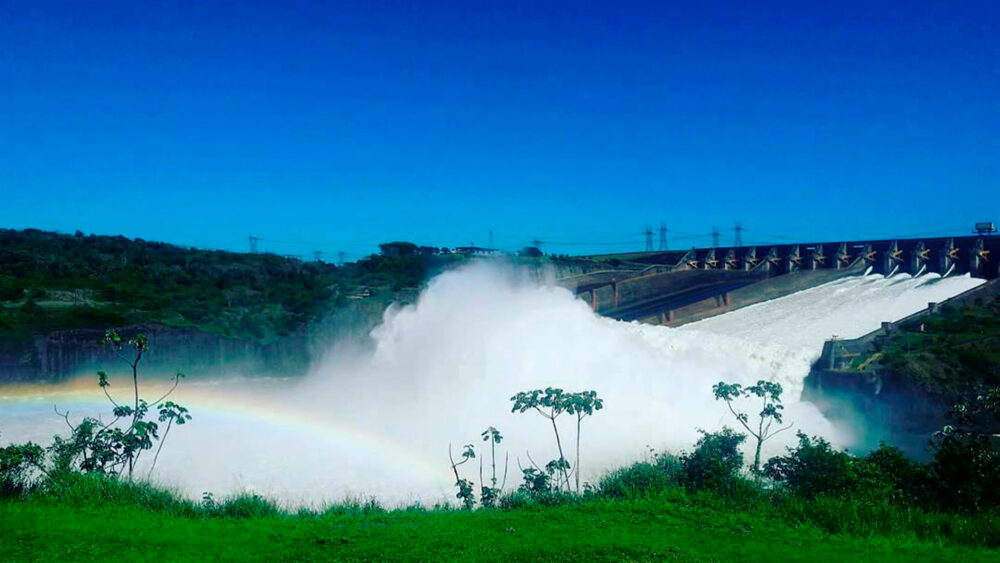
x=50 y=281
x=947 y=353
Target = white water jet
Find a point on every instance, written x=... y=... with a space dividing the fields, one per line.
x=379 y=423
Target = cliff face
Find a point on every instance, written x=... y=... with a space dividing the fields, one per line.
x=891 y=404
x=63 y=354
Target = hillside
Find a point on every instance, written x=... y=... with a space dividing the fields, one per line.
x=51 y=281
x=947 y=353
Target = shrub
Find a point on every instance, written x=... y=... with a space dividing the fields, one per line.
x=637 y=480
x=94 y=489
x=966 y=471
x=535 y=482
x=906 y=480
x=669 y=464
x=813 y=468
x=21 y=465
x=715 y=461
x=523 y=499
x=247 y=506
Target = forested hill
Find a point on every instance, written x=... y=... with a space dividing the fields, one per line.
x=51 y=281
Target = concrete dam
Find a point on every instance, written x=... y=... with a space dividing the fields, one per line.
x=676 y=287
x=817 y=291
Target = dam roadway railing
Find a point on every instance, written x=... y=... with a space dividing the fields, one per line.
x=675 y=287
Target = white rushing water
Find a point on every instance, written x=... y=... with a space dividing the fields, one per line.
x=379 y=423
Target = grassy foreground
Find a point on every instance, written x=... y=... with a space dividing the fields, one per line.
x=664 y=527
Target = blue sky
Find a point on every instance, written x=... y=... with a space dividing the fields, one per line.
x=334 y=126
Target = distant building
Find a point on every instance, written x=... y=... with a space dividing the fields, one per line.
x=474 y=250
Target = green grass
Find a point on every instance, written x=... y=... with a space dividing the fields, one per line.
x=91 y=519
x=638 y=530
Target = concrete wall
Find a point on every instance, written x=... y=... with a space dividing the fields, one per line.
x=646 y=296
x=764 y=290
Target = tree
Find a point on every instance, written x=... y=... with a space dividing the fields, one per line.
x=399 y=248
x=465 y=491
x=110 y=448
x=582 y=404
x=19 y=465
x=489 y=495
x=966 y=464
x=550 y=403
x=769 y=393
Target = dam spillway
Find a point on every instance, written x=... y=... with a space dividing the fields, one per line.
x=676 y=287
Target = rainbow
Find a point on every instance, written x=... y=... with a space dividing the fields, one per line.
x=218 y=399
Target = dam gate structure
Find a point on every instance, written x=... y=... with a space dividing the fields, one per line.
x=675 y=287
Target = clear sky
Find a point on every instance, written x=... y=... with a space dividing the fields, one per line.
x=338 y=125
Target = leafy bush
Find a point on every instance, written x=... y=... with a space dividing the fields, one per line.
x=813 y=468
x=966 y=471
x=715 y=462
x=21 y=466
x=535 y=482
x=906 y=480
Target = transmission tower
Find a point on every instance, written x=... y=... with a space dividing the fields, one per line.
x=663 y=236
x=318 y=255
x=649 y=238
x=738 y=236
x=715 y=237
x=253 y=244
x=340 y=258
x=491 y=240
